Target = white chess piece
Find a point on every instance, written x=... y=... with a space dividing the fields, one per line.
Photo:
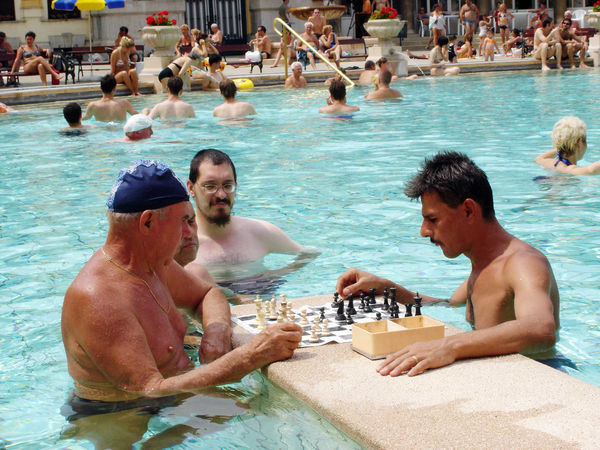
x=316 y=324
x=290 y=313
x=314 y=337
x=303 y=320
x=280 y=317
x=325 y=331
x=261 y=321
x=273 y=315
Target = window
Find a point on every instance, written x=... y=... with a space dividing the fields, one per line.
x=7 y=10
x=56 y=14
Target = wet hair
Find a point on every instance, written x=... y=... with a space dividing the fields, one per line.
x=126 y=42
x=175 y=85
x=72 y=112
x=565 y=134
x=262 y=28
x=442 y=40
x=212 y=59
x=227 y=88
x=385 y=77
x=381 y=61
x=546 y=22
x=124 y=29
x=337 y=89
x=217 y=157
x=455 y=178
x=369 y=65
x=108 y=83
x=30 y=33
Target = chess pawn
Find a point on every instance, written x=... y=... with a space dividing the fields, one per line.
x=267 y=309
x=316 y=325
x=325 y=331
x=303 y=320
x=261 y=321
x=279 y=317
x=273 y=315
x=314 y=337
x=290 y=313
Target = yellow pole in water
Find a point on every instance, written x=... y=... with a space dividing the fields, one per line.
x=284 y=50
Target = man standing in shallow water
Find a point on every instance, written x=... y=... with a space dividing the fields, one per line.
x=109 y=108
x=121 y=327
x=511 y=295
x=227 y=239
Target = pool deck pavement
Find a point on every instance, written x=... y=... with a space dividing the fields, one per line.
x=31 y=90
x=496 y=402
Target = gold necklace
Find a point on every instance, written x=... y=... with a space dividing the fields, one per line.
x=109 y=259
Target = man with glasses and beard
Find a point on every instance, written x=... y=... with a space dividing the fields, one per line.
x=228 y=244
x=570 y=43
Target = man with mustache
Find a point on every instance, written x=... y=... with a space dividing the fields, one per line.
x=223 y=238
x=511 y=296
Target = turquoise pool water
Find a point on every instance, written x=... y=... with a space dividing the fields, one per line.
x=334 y=185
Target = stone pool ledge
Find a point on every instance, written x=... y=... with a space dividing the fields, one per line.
x=497 y=402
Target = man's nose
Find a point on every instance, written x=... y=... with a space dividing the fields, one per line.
x=425 y=231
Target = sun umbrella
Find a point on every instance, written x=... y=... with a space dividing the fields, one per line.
x=87 y=5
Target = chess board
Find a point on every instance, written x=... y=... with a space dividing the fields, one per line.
x=340 y=331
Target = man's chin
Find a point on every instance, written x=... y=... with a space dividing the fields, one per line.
x=220 y=221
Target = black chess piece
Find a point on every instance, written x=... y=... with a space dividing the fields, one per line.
x=350 y=308
x=336 y=299
x=372 y=296
x=349 y=320
x=418 y=301
x=368 y=308
x=386 y=294
x=378 y=315
x=340 y=317
x=362 y=301
x=386 y=303
x=393 y=294
x=408 y=312
x=322 y=317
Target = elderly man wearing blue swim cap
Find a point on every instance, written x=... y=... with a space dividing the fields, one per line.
x=122 y=329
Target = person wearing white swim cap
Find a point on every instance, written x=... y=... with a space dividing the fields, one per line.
x=137 y=127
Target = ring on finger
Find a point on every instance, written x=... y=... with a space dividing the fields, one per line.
x=415 y=358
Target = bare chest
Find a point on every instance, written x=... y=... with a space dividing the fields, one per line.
x=238 y=249
x=490 y=301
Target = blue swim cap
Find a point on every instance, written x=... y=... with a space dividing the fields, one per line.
x=147 y=184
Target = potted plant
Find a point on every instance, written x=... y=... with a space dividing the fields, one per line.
x=161 y=33
x=384 y=23
x=593 y=17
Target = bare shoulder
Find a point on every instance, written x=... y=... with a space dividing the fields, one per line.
x=523 y=259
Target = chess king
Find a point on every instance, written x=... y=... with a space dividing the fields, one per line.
x=511 y=296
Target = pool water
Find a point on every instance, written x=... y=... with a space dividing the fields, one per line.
x=336 y=185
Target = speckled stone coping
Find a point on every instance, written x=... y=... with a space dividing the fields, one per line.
x=497 y=402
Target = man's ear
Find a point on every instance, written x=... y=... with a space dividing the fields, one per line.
x=147 y=221
x=471 y=208
x=190 y=187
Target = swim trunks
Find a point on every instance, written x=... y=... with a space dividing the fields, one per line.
x=78 y=408
x=470 y=22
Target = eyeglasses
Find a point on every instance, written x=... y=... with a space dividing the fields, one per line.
x=228 y=188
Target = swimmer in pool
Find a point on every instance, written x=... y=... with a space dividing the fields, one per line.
x=383 y=90
x=4 y=108
x=296 y=80
x=231 y=108
x=137 y=128
x=230 y=240
x=109 y=108
x=72 y=114
x=132 y=349
x=173 y=106
x=570 y=144
x=511 y=296
x=336 y=102
x=367 y=75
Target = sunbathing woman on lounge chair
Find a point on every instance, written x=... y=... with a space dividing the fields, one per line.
x=33 y=59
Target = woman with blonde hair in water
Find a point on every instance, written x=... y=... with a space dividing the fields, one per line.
x=569 y=138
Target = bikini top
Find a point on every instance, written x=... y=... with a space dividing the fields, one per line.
x=565 y=161
x=27 y=54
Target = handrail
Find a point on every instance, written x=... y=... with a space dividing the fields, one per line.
x=285 y=27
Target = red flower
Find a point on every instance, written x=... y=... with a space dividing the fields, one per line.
x=150 y=20
x=166 y=13
x=174 y=22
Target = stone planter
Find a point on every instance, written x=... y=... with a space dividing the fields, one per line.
x=384 y=29
x=593 y=19
x=162 y=39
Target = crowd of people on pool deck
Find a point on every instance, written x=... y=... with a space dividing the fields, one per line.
x=196 y=54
